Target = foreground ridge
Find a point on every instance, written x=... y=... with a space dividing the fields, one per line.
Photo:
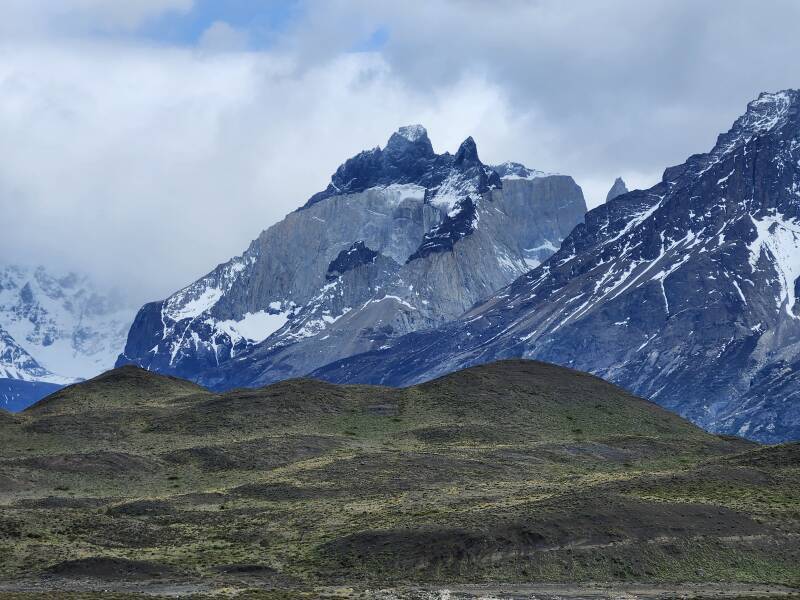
x=517 y=471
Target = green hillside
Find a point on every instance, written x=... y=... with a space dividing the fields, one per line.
x=517 y=472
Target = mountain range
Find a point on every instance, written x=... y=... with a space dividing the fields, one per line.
x=412 y=264
x=685 y=293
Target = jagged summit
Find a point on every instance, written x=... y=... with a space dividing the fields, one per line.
x=467 y=152
x=772 y=114
x=770 y=110
x=617 y=189
x=409 y=158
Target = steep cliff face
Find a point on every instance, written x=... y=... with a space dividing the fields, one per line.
x=686 y=293
x=402 y=239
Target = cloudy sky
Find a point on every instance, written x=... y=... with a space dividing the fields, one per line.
x=146 y=141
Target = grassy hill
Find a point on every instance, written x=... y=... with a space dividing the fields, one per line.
x=516 y=472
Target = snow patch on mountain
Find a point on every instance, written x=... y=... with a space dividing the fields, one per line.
x=413 y=133
x=252 y=327
x=514 y=170
x=398 y=192
x=452 y=191
x=779 y=237
x=177 y=309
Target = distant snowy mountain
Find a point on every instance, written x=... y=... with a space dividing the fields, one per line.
x=55 y=329
x=686 y=293
x=402 y=239
x=22 y=379
x=16 y=363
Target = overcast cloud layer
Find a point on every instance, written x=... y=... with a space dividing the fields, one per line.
x=147 y=160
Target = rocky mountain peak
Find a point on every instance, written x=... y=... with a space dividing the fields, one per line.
x=772 y=116
x=411 y=139
x=467 y=152
x=63 y=320
x=402 y=239
x=767 y=114
x=771 y=109
x=409 y=158
x=413 y=133
x=617 y=189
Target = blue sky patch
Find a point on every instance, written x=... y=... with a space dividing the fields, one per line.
x=261 y=20
x=374 y=42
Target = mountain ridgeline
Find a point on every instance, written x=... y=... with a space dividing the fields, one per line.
x=402 y=239
x=686 y=293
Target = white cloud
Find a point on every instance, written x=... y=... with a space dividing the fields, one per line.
x=222 y=37
x=149 y=166
x=610 y=87
x=24 y=17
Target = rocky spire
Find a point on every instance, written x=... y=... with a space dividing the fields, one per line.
x=617 y=189
x=467 y=152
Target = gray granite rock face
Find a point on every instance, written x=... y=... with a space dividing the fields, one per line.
x=687 y=293
x=346 y=274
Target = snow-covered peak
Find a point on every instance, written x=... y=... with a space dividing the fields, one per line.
x=16 y=363
x=766 y=115
x=769 y=110
x=407 y=158
x=413 y=133
x=771 y=115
